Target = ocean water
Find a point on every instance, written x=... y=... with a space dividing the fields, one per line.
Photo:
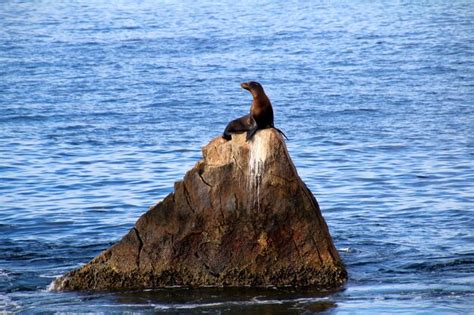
x=103 y=105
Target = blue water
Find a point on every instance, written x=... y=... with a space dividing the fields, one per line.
x=104 y=106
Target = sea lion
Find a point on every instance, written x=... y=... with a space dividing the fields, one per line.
x=260 y=117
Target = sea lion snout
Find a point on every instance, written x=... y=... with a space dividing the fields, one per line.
x=251 y=86
x=245 y=85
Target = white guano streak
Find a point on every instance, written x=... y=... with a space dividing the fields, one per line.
x=257 y=156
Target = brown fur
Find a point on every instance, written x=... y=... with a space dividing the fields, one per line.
x=260 y=117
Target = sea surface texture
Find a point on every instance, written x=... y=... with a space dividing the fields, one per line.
x=105 y=104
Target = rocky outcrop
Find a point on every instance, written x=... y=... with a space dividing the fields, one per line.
x=241 y=217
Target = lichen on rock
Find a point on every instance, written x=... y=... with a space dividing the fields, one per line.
x=240 y=217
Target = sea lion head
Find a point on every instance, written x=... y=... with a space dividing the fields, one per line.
x=253 y=87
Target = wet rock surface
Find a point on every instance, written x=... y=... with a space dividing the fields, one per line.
x=240 y=217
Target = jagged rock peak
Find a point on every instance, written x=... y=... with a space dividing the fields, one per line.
x=240 y=217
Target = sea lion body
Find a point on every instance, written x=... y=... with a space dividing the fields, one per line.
x=260 y=117
x=242 y=124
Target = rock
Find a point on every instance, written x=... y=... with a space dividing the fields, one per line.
x=241 y=217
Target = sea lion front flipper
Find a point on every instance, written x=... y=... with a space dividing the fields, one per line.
x=250 y=133
x=253 y=127
x=281 y=133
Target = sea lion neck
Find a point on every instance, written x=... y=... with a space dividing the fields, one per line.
x=258 y=92
x=259 y=97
